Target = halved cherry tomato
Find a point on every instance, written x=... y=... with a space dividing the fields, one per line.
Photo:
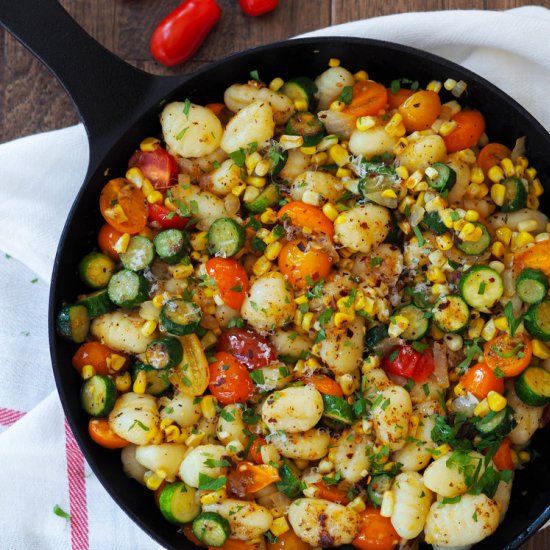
x=306 y=215
x=216 y=108
x=491 y=155
x=420 y=110
x=101 y=433
x=249 y=347
x=158 y=166
x=236 y=544
x=288 y=541
x=377 y=532
x=397 y=98
x=510 y=354
x=329 y=492
x=535 y=257
x=229 y=380
x=95 y=354
x=231 y=280
x=121 y=192
x=470 y=126
x=503 y=457
x=324 y=384
x=300 y=264
x=107 y=238
x=406 y=361
x=248 y=478
x=479 y=380
x=255 y=451
x=165 y=218
x=367 y=98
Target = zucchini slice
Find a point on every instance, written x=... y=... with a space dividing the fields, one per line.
x=537 y=320
x=301 y=88
x=446 y=177
x=418 y=322
x=432 y=221
x=308 y=126
x=97 y=303
x=533 y=386
x=378 y=485
x=158 y=380
x=178 y=504
x=73 y=322
x=516 y=194
x=451 y=314
x=374 y=336
x=337 y=409
x=532 y=285
x=96 y=269
x=290 y=484
x=475 y=248
x=270 y=196
x=497 y=424
x=164 y=353
x=481 y=287
x=128 y=289
x=180 y=317
x=211 y=529
x=139 y=254
x=171 y=245
x=98 y=395
x=226 y=237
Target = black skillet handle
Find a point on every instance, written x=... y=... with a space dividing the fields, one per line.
x=107 y=91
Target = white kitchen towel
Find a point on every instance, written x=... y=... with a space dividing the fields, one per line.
x=40 y=464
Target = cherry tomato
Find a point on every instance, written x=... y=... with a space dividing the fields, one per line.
x=288 y=541
x=107 y=238
x=119 y=192
x=406 y=361
x=101 y=433
x=165 y=218
x=510 y=354
x=329 y=492
x=95 y=354
x=305 y=215
x=491 y=155
x=300 y=265
x=470 y=126
x=179 y=35
x=420 y=110
x=255 y=451
x=231 y=280
x=377 y=532
x=158 y=166
x=324 y=384
x=249 y=347
x=503 y=456
x=250 y=478
x=258 y=7
x=397 y=98
x=229 y=380
x=367 y=98
x=479 y=380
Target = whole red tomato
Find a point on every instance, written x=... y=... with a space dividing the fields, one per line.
x=248 y=347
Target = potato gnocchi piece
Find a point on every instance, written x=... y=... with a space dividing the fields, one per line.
x=373 y=142
x=230 y=425
x=412 y=504
x=389 y=264
x=342 y=349
x=275 y=377
x=166 y=457
x=512 y=219
x=294 y=409
x=320 y=522
x=502 y=498
x=423 y=152
x=352 y=458
x=310 y=445
x=527 y=418
x=202 y=460
x=291 y=343
x=182 y=409
x=132 y=468
x=327 y=186
x=362 y=228
x=135 y=418
x=192 y=132
x=121 y=331
x=466 y=522
x=462 y=170
x=330 y=85
x=247 y=520
x=223 y=179
x=296 y=163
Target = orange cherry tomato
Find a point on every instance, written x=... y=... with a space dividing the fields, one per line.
x=288 y=541
x=377 y=532
x=107 y=238
x=332 y=493
x=535 y=257
x=231 y=280
x=479 y=380
x=470 y=126
x=300 y=264
x=95 y=354
x=235 y=544
x=121 y=192
x=216 y=108
x=250 y=478
x=101 y=433
x=255 y=451
x=305 y=215
x=420 y=110
x=491 y=155
x=510 y=354
x=503 y=457
x=229 y=380
x=367 y=98
x=397 y=98
x=324 y=384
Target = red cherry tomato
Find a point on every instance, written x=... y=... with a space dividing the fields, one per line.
x=158 y=166
x=258 y=7
x=165 y=218
x=248 y=347
x=180 y=34
x=406 y=361
x=231 y=280
x=229 y=380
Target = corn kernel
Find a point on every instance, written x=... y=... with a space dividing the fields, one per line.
x=504 y=235
x=542 y=237
x=467 y=156
x=214 y=497
x=388 y=503
x=459 y=390
x=496 y=401
x=251 y=193
x=532 y=202
x=489 y=330
x=402 y=172
x=149 y=144
x=269 y=216
x=501 y=323
x=388 y=194
x=140 y=383
x=122 y=243
x=333 y=62
x=439 y=289
x=414 y=179
x=311 y=197
x=398 y=325
x=301 y=105
x=364 y=123
x=279 y=526
x=459 y=224
x=342 y=318
x=507 y=167
x=308 y=150
x=238 y=190
x=155 y=197
x=123 y=382
x=148 y=328
x=476 y=175
x=291 y=142
x=541 y=350
x=170 y=205
x=319 y=158
x=522 y=239
x=357 y=504
x=330 y=211
x=495 y=174
x=361 y=76
x=158 y=300
x=531 y=172
x=208 y=406
x=311 y=491
x=342 y=173
x=181 y=271
x=339 y=155
x=172 y=433
x=537 y=187
x=435 y=275
x=482 y=409
x=497 y=250
x=337 y=106
x=434 y=86
x=449 y=84
x=444 y=242
x=152 y=480
x=400 y=146
x=393 y=123
x=276 y=84
x=87 y=372
x=340 y=219
x=272 y=251
x=307 y=321
x=524 y=457
x=447 y=127
x=135 y=175
x=471 y=216
x=261 y=266
x=256 y=181
x=194 y=439
x=528 y=225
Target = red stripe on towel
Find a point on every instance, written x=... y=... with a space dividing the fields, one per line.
x=9 y=416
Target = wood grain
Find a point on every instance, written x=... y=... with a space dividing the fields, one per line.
x=31 y=100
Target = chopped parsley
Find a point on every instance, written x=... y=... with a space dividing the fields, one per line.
x=58 y=511
x=186 y=108
x=375 y=262
x=258 y=377
x=513 y=323
x=207 y=483
x=346 y=95
x=254 y=75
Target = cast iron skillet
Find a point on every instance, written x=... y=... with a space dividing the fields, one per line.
x=119 y=105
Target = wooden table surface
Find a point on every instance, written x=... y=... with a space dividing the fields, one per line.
x=31 y=100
